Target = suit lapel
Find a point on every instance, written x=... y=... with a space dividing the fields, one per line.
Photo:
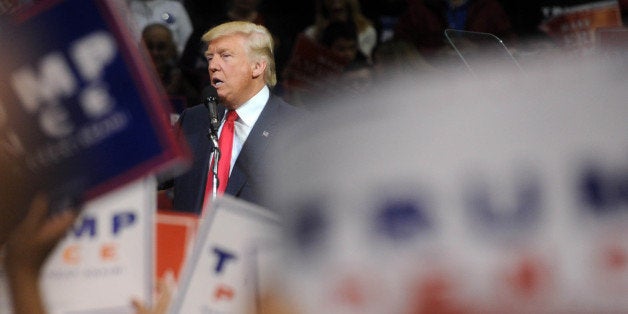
x=246 y=166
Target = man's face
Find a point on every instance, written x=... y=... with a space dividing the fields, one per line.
x=230 y=70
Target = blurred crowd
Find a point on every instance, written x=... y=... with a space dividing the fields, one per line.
x=324 y=47
x=359 y=38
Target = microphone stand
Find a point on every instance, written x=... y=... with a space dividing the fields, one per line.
x=212 y=132
x=215 y=156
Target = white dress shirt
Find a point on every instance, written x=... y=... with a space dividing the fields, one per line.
x=247 y=116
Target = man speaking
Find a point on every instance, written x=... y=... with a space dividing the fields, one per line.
x=242 y=71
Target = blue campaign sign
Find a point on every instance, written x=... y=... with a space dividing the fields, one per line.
x=80 y=109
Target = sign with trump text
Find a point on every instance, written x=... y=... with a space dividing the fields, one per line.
x=219 y=277
x=106 y=258
x=80 y=109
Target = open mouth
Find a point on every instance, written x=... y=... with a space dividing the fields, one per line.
x=216 y=82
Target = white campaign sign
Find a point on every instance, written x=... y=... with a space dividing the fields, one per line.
x=450 y=194
x=107 y=257
x=218 y=277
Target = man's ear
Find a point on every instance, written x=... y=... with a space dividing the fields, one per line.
x=258 y=68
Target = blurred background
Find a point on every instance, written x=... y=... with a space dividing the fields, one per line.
x=480 y=169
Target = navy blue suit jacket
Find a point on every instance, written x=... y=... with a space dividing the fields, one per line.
x=247 y=176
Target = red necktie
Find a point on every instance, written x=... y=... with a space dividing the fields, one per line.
x=225 y=143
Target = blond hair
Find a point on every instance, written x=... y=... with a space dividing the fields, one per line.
x=259 y=44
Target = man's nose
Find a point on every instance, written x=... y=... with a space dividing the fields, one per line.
x=212 y=65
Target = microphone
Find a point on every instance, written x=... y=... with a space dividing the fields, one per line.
x=210 y=97
x=210 y=100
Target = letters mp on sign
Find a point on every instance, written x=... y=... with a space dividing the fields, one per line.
x=106 y=257
x=81 y=112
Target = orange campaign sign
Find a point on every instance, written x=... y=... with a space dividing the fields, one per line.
x=175 y=232
x=575 y=27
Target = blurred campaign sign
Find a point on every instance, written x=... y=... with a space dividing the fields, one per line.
x=219 y=277
x=612 y=42
x=80 y=111
x=175 y=234
x=574 y=27
x=106 y=258
x=463 y=196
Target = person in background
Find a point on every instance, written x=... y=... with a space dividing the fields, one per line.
x=178 y=84
x=286 y=19
x=242 y=71
x=169 y=12
x=399 y=58
x=384 y=14
x=245 y=10
x=356 y=76
x=328 y=11
x=424 y=22
x=317 y=68
x=342 y=39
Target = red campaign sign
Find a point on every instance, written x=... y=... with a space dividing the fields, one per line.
x=175 y=233
x=576 y=27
